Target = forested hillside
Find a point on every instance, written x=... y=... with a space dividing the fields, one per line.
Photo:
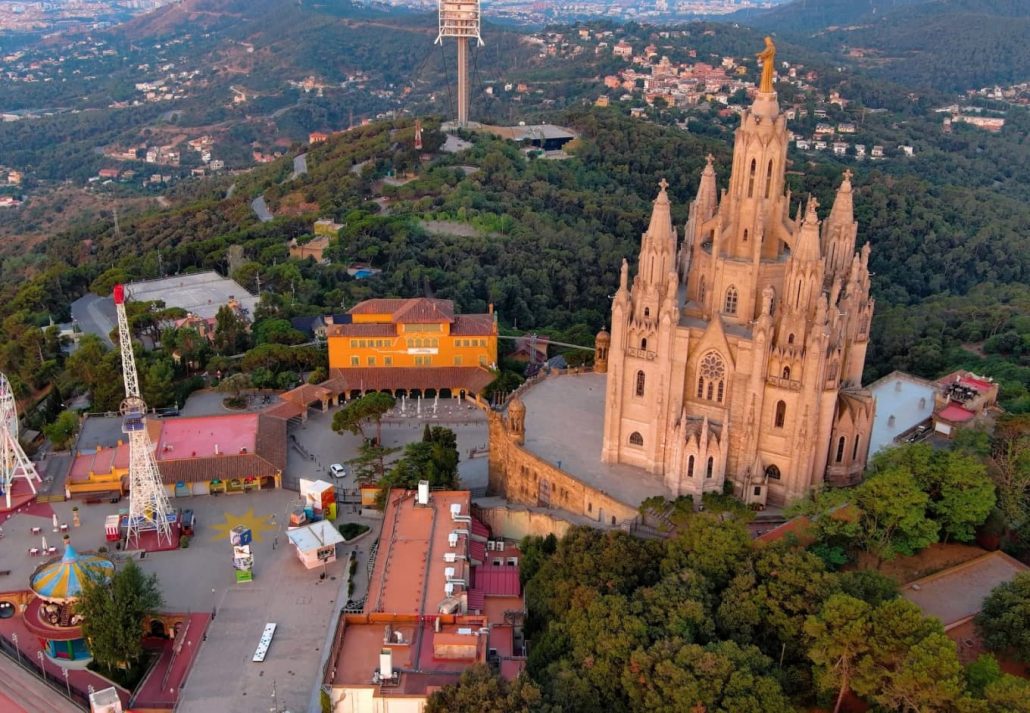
x=947 y=44
x=542 y=240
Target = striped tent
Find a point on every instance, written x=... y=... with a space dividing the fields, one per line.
x=62 y=581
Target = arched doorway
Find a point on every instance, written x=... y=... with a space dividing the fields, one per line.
x=157 y=628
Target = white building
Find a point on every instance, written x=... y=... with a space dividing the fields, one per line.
x=903 y=402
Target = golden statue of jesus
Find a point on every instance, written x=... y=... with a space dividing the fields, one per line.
x=768 y=59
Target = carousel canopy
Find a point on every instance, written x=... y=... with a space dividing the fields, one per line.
x=62 y=581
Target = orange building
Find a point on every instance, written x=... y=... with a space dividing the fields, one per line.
x=412 y=346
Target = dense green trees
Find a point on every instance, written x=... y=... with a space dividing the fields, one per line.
x=1004 y=619
x=113 y=614
x=627 y=625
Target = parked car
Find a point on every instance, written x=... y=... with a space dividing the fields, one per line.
x=337 y=470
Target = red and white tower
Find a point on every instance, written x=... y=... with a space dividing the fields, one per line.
x=148 y=502
x=460 y=19
x=14 y=463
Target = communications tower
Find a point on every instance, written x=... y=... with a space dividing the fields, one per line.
x=15 y=464
x=460 y=19
x=148 y=502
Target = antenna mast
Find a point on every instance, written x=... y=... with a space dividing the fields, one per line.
x=148 y=502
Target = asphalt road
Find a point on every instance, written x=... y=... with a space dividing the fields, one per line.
x=95 y=315
x=261 y=209
x=300 y=166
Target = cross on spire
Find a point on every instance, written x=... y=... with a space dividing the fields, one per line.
x=847 y=175
x=710 y=159
x=663 y=184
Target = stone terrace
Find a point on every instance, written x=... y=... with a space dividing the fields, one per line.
x=564 y=421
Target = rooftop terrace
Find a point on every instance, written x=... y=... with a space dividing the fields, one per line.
x=207 y=436
x=564 y=424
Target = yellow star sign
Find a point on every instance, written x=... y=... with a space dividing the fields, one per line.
x=258 y=524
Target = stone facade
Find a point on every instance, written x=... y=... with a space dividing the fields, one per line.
x=523 y=477
x=738 y=355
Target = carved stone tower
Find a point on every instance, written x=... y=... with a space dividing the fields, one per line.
x=739 y=356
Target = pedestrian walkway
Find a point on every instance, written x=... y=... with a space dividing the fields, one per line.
x=24 y=693
x=161 y=687
x=79 y=680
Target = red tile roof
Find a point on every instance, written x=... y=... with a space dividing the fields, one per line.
x=472 y=325
x=376 y=329
x=417 y=310
x=390 y=378
x=498 y=581
x=978 y=384
x=955 y=413
x=422 y=310
x=377 y=306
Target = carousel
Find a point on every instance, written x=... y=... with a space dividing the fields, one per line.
x=51 y=615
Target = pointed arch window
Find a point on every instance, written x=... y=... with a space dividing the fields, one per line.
x=772 y=473
x=840 y=448
x=647 y=311
x=781 y=414
x=745 y=235
x=786 y=372
x=711 y=381
x=768 y=179
x=711 y=467
x=854 y=451
x=701 y=292
x=643 y=344
x=730 y=303
x=635 y=439
x=751 y=179
x=640 y=383
x=790 y=338
x=690 y=467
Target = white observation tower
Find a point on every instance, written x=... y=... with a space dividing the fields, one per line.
x=460 y=19
x=148 y=502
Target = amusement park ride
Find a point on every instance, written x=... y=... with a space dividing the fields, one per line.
x=15 y=464
x=148 y=503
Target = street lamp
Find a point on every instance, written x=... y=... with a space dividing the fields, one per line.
x=14 y=638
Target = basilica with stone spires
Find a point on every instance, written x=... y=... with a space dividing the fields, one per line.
x=736 y=356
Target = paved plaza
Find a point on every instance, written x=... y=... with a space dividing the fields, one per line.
x=564 y=424
x=200 y=579
x=318 y=439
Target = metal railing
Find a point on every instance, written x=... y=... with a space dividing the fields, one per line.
x=56 y=684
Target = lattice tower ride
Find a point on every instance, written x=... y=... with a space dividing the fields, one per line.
x=460 y=19
x=15 y=464
x=148 y=502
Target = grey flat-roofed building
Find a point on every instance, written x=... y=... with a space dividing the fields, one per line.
x=903 y=401
x=200 y=293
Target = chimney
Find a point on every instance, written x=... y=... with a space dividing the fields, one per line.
x=423 y=492
x=216 y=450
x=385 y=664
